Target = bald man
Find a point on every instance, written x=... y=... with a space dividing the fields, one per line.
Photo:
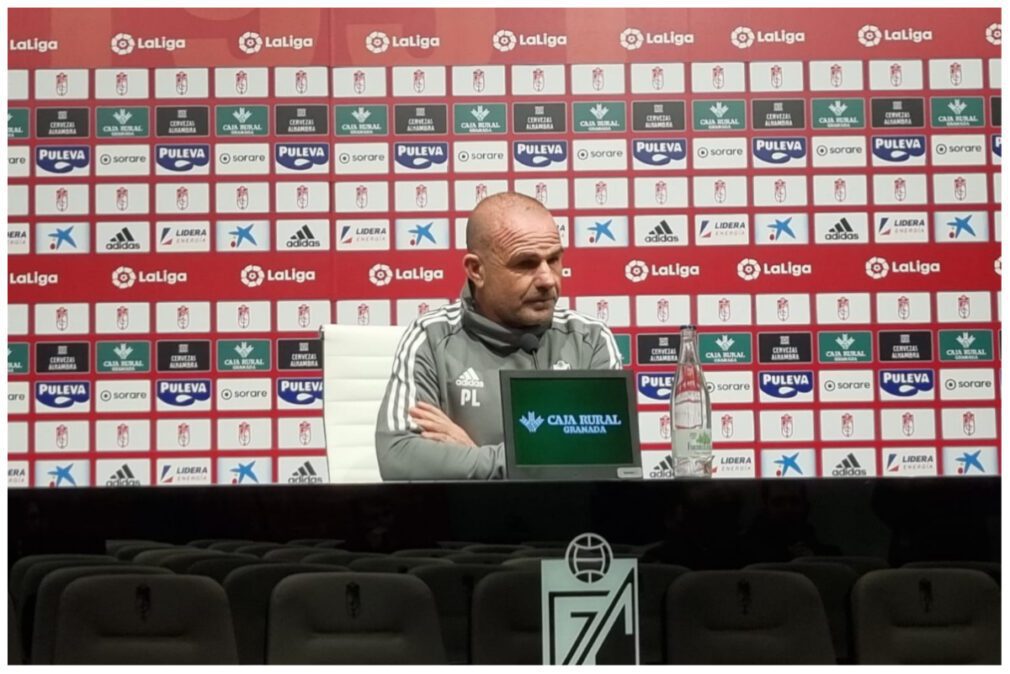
x=441 y=415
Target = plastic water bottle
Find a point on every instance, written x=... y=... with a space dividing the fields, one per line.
x=691 y=411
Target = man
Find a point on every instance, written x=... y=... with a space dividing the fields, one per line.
x=440 y=418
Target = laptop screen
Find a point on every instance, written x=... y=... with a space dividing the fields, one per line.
x=570 y=424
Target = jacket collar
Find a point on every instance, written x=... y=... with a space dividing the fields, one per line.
x=495 y=335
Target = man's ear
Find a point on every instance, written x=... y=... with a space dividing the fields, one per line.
x=474 y=268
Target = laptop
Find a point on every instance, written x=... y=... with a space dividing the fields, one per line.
x=570 y=425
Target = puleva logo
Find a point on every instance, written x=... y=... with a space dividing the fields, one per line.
x=251 y=42
x=906 y=383
x=421 y=156
x=660 y=152
x=302 y=156
x=656 y=387
x=182 y=158
x=183 y=392
x=62 y=395
x=62 y=159
x=786 y=384
x=899 y=149
x=780 y=150
x=531 y=421
x=300 y=391
x=541 y=154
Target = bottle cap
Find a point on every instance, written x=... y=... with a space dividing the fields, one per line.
x=687 y=327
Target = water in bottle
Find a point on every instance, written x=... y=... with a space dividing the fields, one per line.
x=691 y=412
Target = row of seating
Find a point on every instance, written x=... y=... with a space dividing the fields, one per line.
x=311 y=602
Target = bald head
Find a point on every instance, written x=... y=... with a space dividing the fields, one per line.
x=513 y=260
x=498 y=214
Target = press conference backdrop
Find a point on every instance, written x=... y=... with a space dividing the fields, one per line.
x=193 y=193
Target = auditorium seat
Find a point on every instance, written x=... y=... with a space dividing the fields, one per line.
x=653 y=581
x=991 y=568
x=129 y=552
x=290 y=554
x=353 y=618
x=218 y=569
x=492 y=558
x=538 y=553
x=834 y=584
x=258 y=549
x=230 y=545
x=392 y=564
x=248 y=589
x=21 y=566
x=157 y=556
x=547 y=544
x=114 y=544
x=926 y=616
x=203 y=542
x=746 y=617
x=316 y=542
x=452 y=586
x=456 y=545
x=339 y=557
x=29 y=588
x=357 y=361
x=522 y=564
x=47 y=603
x=506 y=623
x=181 y=562
x=496 y=548
x=423 y=552
x=144 y=619
x=15 y=656
x=859 y=564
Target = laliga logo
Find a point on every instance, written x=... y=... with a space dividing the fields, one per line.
x=632 y=39
x=126 y=277
x=870 y=35
x=742 y=37
x=877 y=268
x=994 y=34
x=253 y=275
x=636 y=271
x=380 y=275
x=124 y=43
x=748 y=269
x=505 y=40
x=377 y=42
x=251 y=42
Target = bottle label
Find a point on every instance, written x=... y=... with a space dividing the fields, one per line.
x=692 y=442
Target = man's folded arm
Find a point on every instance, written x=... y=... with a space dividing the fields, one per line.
x=402 y=453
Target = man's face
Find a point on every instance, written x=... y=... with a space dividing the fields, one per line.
x=521 y=272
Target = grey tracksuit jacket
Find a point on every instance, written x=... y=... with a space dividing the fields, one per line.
x=450 y=358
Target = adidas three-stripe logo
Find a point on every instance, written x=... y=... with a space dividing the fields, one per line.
x=469 y=379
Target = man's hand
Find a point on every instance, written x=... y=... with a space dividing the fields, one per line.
x=435 y=425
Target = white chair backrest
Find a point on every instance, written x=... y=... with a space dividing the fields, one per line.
x=357 y=362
